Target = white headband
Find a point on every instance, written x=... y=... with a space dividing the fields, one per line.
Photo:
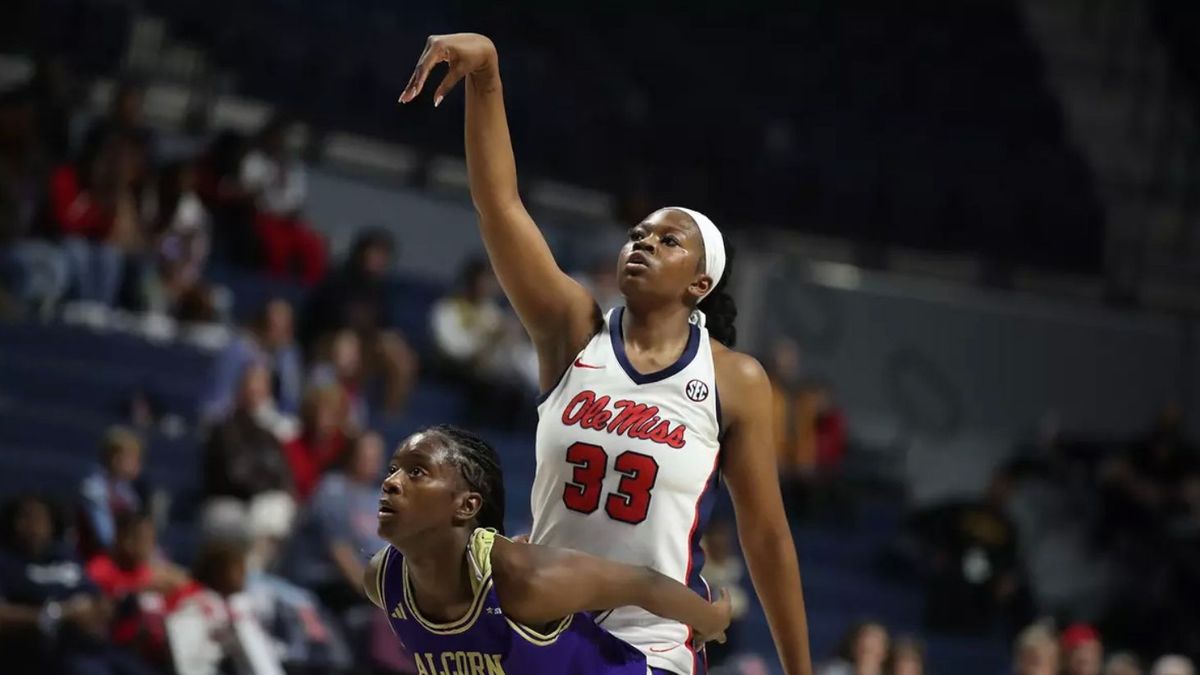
x=714 y=253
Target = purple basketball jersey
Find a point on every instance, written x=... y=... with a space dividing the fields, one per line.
x=486 y=642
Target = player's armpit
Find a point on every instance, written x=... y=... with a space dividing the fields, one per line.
x=371 y=582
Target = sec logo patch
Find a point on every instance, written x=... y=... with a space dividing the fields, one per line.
x=696 y=390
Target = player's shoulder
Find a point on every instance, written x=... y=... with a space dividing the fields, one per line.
x=737 y=370
x=510 y=561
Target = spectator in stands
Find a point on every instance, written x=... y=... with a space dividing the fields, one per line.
x=468 y=326
x=336 y=533
x=907 y=657
x=784 y=367
x=1123 y=663
x=275 y=175
x=355 y=297
x=232 y=206
x=1083 y=654
x=54 y=620
x=863 y=651
x=1035 y=651
x=179 y=226
x=34 y=271
x=125 y=118
x=1173 y=665
x=971 y=561
x=339 y=364
x=477 y=347
x=96 y=206
x=324 y=424
x=138 y=583
x=810 y=432
x=214 y=623
x=270 y=340
x=723 y=569
x=247 y=482
x=1156 y=481
x=114 y=488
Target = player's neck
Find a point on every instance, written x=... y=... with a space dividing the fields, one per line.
x=437 y=568
x=654 y=331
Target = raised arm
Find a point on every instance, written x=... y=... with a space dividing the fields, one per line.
x=538 y=585
x=558 y=313
x=753 y=480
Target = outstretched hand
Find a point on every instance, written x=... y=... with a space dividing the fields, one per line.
x=465 y=53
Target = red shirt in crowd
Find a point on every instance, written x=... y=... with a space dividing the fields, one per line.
x=309 y=458
x=74 y=210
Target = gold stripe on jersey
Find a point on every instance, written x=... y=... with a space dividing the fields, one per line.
x=380 y=575
x=454 y=627
x=541 y=639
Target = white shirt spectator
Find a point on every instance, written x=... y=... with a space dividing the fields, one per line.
x=281 y=187
x=465 y=331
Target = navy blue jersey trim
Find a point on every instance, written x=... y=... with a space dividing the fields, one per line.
x=618 y=344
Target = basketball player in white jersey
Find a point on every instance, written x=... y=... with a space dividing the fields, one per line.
x=644 y=407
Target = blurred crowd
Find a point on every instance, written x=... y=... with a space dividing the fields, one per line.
x=1099 y=535
x=99 y=212
x=100 y=216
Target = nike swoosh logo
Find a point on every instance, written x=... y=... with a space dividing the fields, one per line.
x=580 y=364
x=656 y=650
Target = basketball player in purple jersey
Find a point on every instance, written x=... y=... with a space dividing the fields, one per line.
x=466 y=601
x=646 y=407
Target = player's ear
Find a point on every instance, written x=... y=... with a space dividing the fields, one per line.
x=469 y=505
x=700 y=286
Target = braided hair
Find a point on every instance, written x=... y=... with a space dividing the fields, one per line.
x=720 y=310
x=479 y=466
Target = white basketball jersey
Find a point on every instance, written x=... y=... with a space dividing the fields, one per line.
x=627 y=470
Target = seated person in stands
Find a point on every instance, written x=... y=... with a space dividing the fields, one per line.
x=125 y=116
x=213 y=625
x=273 y=173
x=863 y=651
x=339 y=364
x=336 y=532
x=974 y=574
x=179 y=234
x=355 y=297
x=95 y=204
x=1035 y=651
x=33 y=272
x=139 y=583
x=232 y=207
x=1154 y=483
x=247 y=481
x=113 y=488
x=482 y=349
x=323 y=438
x=270 y=340
x=52 y=618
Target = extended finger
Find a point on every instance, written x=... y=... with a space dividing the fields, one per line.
x=433 y=55
x=447 y=84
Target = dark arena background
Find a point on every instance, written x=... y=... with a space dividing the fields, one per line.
x=234 y=273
